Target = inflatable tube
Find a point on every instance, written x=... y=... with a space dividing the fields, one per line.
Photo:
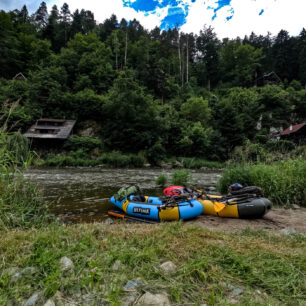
x=153 y=208
x=250 y=208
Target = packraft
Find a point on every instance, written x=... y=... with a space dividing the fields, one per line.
x=240 y=202
x=166 y=208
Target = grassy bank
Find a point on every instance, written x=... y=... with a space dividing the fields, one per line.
x=269 y=269
x=121 y=160
x=283 y=182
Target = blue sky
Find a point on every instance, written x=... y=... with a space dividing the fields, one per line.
x=229 y=18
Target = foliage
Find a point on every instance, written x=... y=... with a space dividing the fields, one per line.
x=197 y=163
x=180 y=177
x=282 y=146
x=117 y=159
x=283 y=182
x=21 y=205
x=78 y=142
x=164 y=93
x=162 y=180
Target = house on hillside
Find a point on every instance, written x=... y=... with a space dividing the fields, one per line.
x=50 y=130
x=295 y=133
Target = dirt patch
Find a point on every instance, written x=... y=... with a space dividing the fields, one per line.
x=274 y=220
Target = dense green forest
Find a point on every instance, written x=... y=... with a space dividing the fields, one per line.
x=164 y=93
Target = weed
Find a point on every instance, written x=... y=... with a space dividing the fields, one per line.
x=180 y=177
x=162 y=180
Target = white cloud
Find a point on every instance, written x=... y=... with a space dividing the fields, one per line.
x=277 y=15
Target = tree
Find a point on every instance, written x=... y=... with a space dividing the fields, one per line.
x=130 y=119
x=41 y=16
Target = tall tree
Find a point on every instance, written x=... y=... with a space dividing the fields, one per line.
x=41 y=16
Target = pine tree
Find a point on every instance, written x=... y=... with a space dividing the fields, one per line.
x=41 y=16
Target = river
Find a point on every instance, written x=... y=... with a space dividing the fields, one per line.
x=82 y=194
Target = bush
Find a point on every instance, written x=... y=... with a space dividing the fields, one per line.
x=86 y=143
x=162 y=180
x=180 y=177
x=69 y=161
x=20 y=203
x=117 y=159
x=283 y=182
x=282 y=146
x=197 y=163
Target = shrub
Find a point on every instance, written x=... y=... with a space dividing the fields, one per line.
x=161 y=180
x=282 y=146
x=80 y=142
x=117 y=159
x=283 y=182
x=21 y=205
x=197 y=163
x=180 y=177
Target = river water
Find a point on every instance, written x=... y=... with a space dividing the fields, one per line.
x=82 y=194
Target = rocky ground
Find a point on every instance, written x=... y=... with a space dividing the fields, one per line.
x=277 y=220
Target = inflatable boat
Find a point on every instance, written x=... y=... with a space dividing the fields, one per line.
x=158 y=208
x=241 y=202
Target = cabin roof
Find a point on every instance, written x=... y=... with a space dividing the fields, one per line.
x=292 y=129
x=47 y=129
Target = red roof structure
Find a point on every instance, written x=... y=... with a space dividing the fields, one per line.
x=292 y=129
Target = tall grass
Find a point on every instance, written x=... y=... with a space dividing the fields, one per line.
x=197 y=163
x=180 y=177
x=20 y=203
x=283 y=182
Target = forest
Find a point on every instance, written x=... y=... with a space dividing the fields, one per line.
x=161 y=93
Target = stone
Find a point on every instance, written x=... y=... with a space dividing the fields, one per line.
x=295 y=206
x=177 y=164
x=16 y=277
x=11 y=271
x=66 y=264
x=147 y=165
x=212 y=188
x=132 y=285
x=168 y=267
x=49 y=303
x=129 y=300
x=108 y=221
x=237 y=291
x=116 y=265
x=149 y=299
x=29 y=271
x=287 y=231
x=166 y=165
x=33 y=300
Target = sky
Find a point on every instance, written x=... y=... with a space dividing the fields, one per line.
x=229 y=18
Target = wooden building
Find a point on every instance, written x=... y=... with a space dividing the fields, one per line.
x=296 y=133
x=51 y=129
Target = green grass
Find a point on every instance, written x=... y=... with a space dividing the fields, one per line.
x=197 y=163
x=112 y=159
x=207 y=262
x=282 y=182
x=180 y=177
x=162 y=180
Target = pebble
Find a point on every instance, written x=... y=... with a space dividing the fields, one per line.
x=295 y=206
x=237 y=291
x=168 y=267
x=33 y=300
x=132 y=285
x=29 y=271
x=149 y=299
x=287 y=231
x=108 y=221
x=66 y=264
x=129 y=300
x=116 y=265
x=49 y=303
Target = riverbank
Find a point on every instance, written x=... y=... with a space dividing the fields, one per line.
x=120 y=262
